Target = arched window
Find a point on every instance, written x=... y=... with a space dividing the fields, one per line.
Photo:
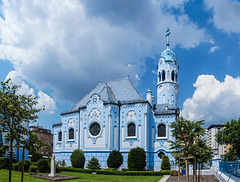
x=160 y=155
x=162 y=130
x=131 y=130
x=71 y=134
x=172 y=75
x=60 y=136
x=159 y=76
x=163 y=75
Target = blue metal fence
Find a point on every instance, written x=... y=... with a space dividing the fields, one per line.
x=230 y=169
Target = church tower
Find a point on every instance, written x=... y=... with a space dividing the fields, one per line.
x=167 y=77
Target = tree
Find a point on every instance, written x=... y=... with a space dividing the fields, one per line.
x=14 y=110
x=93 y=163
x=115 y=159
x=77 y=158
x=136 y=159
x=189 y=140
x=165 y=165
x=230 y=136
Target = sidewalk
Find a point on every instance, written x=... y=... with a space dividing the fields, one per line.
x=164 y=179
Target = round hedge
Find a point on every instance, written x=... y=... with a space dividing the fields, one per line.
x=93 y=163
x=77 y=158
x=43 y=166
x=115 y=159
x=136 y=159
x=26 y=165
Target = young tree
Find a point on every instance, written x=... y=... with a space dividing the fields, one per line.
x=93 y=163
x=14 y=110
x=230 y=135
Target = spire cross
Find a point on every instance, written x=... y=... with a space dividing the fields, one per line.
x=167 y=35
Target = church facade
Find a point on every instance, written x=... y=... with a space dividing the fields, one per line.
x=113 y=116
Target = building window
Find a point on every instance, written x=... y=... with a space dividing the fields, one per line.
x=71 y=134
x=172 y=75
x=163 y=75
x=95 y=129
x=131 y=130
x=60 y=136
x=162 y=130
x=160 y=155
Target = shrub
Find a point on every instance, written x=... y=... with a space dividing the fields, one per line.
x=93 y=164
x=165 y=163
x=77 y=158
x=43 y=166
x=3 y=163
x=61 y=163
x=36 y=156
x=26 y=165
x=175 y=173
x=136 y=159
x=32 y=168
x=115 y=159
x=15 y=167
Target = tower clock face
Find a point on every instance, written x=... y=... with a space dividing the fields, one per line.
x=160 y=88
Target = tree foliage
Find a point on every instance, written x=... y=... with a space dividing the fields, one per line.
x=136 y=159
x=43 y=165
x=34 y=143
x=15 y=109
x=93 y=163
x=189 y=140
x=77 y=158
x=115 y=159
x=230 y=136
x=165 y=165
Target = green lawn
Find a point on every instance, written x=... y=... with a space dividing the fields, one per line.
x=16 y=176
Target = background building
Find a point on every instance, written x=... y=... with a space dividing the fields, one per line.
x=44 y=135
x=212 y=142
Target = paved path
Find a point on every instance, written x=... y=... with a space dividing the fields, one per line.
x=164 y=179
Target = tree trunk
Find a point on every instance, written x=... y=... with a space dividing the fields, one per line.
x=10 y=162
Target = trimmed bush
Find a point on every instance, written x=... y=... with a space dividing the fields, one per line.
x=115 y=159
x=165 y=165
x=32 y=168
x=93 y=163
x=175 y=173
x=77 y=158
x=26 y=165
x=43 y=166
x=15 y=167
x=36 y=156
x=3 y=163
x=136 y=159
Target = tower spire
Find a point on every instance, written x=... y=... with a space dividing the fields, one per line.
x=167 y=35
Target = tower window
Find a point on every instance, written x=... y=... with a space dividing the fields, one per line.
x=163 y=75
x=172 y=75
x=162 y=130
x=71 y=134
x=60 y=136
x=131 y=130
x=159 y=76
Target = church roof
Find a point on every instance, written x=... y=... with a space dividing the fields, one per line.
x=111 y=92
x=168 y=54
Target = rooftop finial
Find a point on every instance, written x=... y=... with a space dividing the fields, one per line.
x=167 y=35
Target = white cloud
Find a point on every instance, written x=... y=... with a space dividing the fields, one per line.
x=213 y=101
x=213 y=49
x=225 y=14
x=70 y=46
x=43 y=99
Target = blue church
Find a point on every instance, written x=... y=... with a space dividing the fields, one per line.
x=113 y=116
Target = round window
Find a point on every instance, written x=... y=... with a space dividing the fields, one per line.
x=95 y=129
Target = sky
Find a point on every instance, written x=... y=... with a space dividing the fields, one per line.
x=59 y=50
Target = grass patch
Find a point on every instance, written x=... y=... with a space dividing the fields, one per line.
x=16 y=176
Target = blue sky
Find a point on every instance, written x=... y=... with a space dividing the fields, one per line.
x=60 y=51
